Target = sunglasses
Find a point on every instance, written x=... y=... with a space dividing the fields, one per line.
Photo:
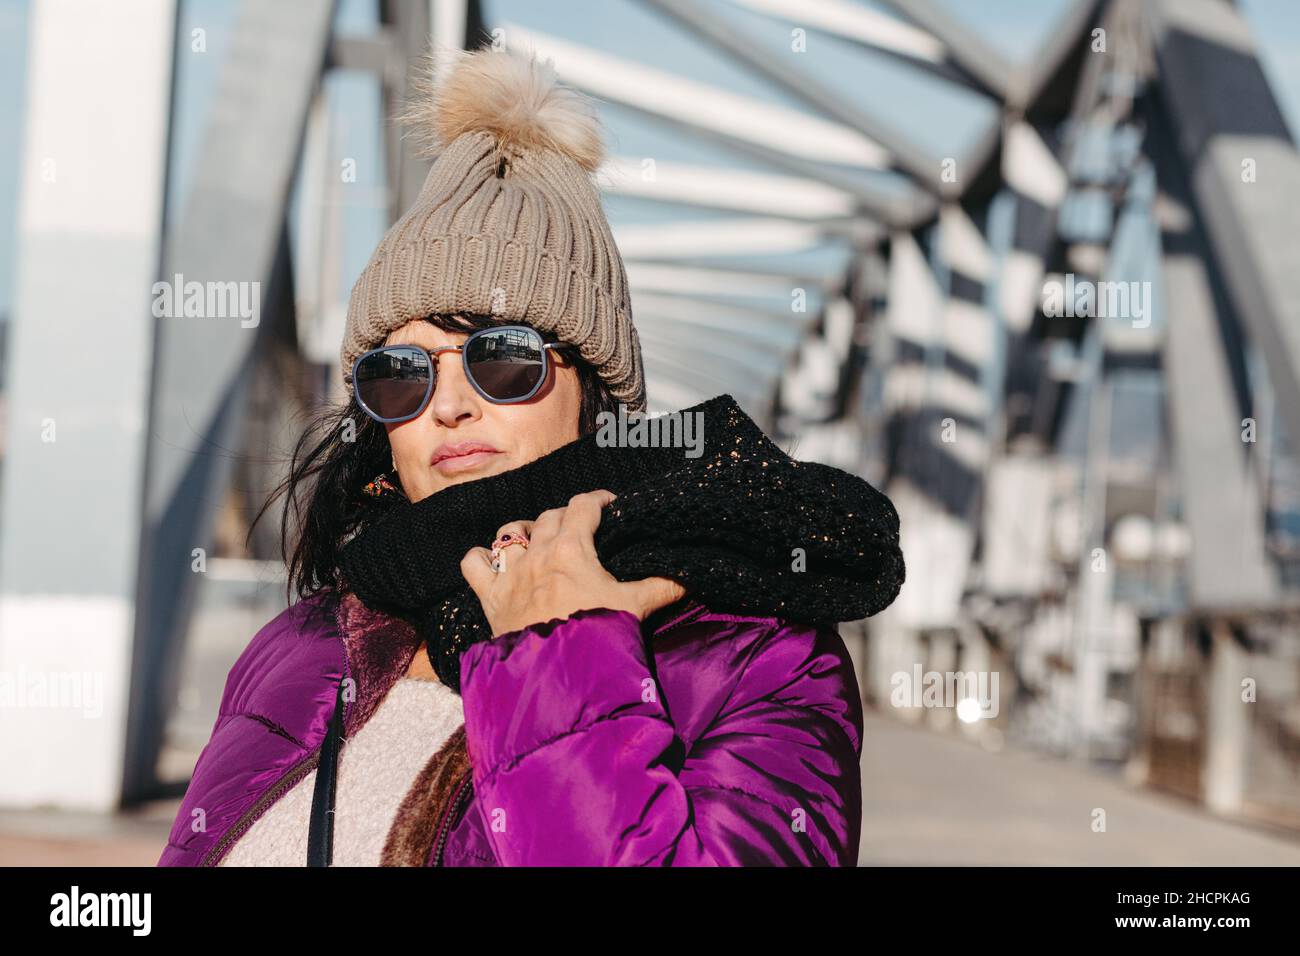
x=505 y=364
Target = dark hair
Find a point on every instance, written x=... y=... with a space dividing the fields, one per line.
x=323 y=500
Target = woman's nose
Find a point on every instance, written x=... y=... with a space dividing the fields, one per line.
x=454 y=399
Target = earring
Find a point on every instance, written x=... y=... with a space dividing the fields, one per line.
x=382 y=487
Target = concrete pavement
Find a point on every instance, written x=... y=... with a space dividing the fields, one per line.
x=931 y=798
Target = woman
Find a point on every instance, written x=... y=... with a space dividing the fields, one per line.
x=541 y=634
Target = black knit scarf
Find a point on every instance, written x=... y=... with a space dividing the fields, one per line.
x=743 y=527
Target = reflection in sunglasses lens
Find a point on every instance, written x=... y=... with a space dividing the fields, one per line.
x=392 y=383
x=506 y=364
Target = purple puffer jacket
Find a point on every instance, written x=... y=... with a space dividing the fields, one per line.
x=736 y=742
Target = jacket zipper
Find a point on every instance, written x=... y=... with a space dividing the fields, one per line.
x=444 y=828
x=290 y=778
x=686 y=617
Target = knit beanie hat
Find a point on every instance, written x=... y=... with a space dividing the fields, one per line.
x=508 y=222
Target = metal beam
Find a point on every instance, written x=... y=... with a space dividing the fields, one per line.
x=726 y=188
x=798 y=142
x=674 y=279
x=905 y=155
x=740 y=236
x=872 y=29
x=1222 y=507
x=1244 y=172
x=1070 y=31
x=411 y=25
x=232 y=231
x=89 y=224
x=965 y=45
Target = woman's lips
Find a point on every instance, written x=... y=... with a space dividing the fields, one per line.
x=450 y=466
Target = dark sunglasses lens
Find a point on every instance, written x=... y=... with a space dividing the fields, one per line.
x=506 y=364
x=393 y=383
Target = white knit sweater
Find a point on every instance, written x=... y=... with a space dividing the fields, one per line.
x=377 y=766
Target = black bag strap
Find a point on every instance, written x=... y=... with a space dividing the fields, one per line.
x=320 y=834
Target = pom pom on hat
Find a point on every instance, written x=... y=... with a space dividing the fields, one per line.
x=513 y=96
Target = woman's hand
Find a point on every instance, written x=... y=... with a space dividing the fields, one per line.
x=559 y=572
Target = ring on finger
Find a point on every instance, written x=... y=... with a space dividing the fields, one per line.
x=503 y=542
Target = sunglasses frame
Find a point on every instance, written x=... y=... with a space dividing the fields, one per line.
x=469 y=376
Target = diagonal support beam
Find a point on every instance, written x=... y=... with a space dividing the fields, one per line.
x=966 y=46
x=1244 y=173
x=1222 y=506
x=906 y=155
x=874 y=29
x=796 y=141
x=231 y=234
